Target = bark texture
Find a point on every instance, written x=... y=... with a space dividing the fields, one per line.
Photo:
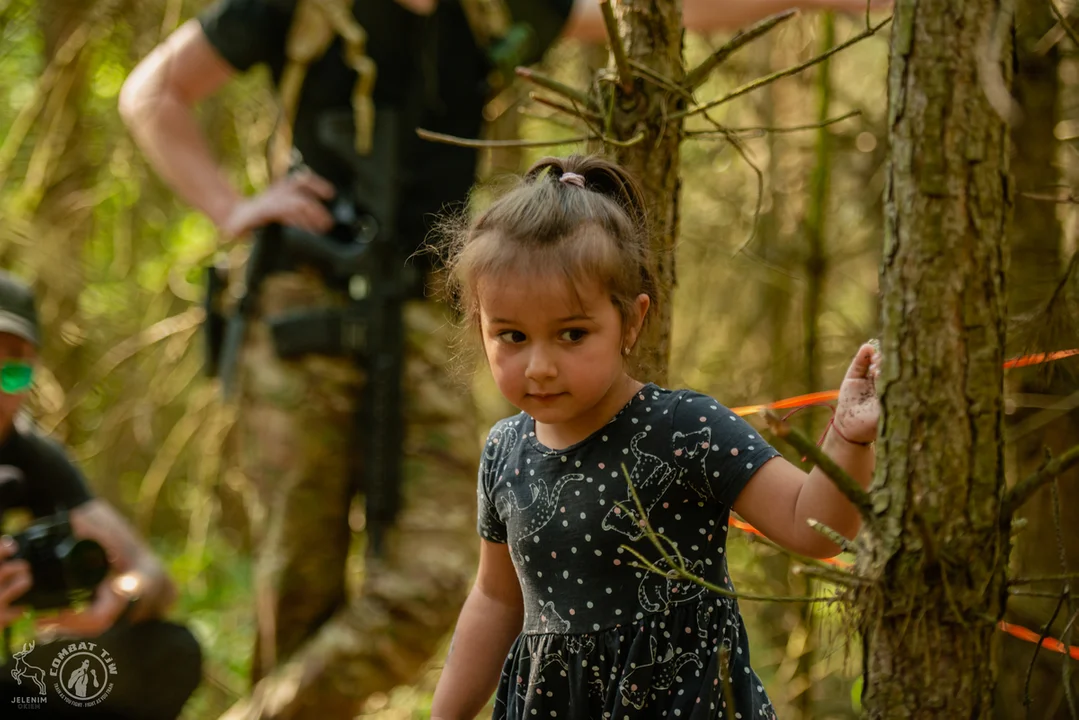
x=652 y=34
x=937 y=550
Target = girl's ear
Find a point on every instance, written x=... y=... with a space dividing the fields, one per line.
x=638 y=311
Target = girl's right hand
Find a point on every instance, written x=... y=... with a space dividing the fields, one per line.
x=296 y=200
x=15 y=580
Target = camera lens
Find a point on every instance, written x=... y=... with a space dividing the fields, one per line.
x=85 y=563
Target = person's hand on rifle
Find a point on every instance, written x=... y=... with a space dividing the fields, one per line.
x=296 y=200
x=15 y=580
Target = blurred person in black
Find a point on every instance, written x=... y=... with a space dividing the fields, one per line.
x=116 y=657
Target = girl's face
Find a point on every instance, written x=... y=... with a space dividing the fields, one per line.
x=557 y=354
x=13 y=349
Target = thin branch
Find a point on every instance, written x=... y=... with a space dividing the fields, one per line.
x=549 y=83
x=1033 y=579
x=1066 y=636
x=639 y=137
x=644 y=564
x=1069 y=199
x=837 y=577
x=1034 y=593
x=677 y=563
x=658 y=79
x=1025 y=488
x=802 y=559
x=727 y=132
x=618 y=50
x=839 y=477
x=1064 y=22
x=698 y=75
x=1034 y=658
x=995 y=88
x=843 y=543
x=768 y=79
x=744 y=154
x=477 y=143
x=574 y=110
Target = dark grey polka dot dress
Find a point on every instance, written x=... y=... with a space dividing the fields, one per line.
x=603 y=638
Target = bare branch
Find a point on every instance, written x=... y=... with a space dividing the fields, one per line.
x=843 y=543
x=698 y=75
x=1024 y=489
x=677 y=564
x=836 y=577
x=618 y=49
x=843 y=482
x=1033 y=579
x=1037 y=647
x=574 y=110
x=726 y=133
x=549 y=83
x=477 y=143
x=1064 y=22
x=989 y=69
x=768 y=79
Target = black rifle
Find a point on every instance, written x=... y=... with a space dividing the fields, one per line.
x=362 y=257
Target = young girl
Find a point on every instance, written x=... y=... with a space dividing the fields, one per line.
x=555 y=276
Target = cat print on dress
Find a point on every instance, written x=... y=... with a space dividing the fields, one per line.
x=551 y=621
x=690 y=451
x=658 y=592
x=650 y=477
x=540 y=510
x=643 y=679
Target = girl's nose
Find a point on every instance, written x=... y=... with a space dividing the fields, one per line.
x=541 y=366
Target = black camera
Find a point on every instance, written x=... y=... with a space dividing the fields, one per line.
x=65 y=569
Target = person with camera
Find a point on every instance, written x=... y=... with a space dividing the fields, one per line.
x=99 y=594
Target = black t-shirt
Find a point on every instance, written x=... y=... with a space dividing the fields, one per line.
x=36 y=474
x=429 y=69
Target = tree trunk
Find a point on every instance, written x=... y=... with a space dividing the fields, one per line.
x=936 y=552
x=1035 y=250
x=652 y=35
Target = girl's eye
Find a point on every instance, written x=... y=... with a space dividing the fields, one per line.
x=573 y=335
x=511 y=336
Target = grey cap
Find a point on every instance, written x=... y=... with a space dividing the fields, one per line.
x=18 y=314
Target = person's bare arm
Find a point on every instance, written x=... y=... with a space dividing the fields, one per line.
x=706 y=16
x=489 y=622
x=134 y=573
x=157 y=103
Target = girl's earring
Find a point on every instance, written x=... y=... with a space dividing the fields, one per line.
x=625 y=351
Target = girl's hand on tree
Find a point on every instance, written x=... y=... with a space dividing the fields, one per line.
x=858 y=409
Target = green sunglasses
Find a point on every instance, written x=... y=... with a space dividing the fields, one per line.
x=16 y=376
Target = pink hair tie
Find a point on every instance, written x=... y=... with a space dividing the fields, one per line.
x=572 y=178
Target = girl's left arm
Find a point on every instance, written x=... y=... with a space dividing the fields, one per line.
x=780 y=498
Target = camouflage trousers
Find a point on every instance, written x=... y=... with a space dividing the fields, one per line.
x=294 y=432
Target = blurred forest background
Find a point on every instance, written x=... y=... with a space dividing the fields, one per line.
x=777 y=286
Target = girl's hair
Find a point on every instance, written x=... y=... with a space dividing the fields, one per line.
x=588 y=225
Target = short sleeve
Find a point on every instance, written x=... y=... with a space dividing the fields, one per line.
x=68 y=484
x=718 y=451
x=248 y=32
x=490 y=524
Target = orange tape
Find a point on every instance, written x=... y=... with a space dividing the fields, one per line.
x=1017 y=631
x=829 y=395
